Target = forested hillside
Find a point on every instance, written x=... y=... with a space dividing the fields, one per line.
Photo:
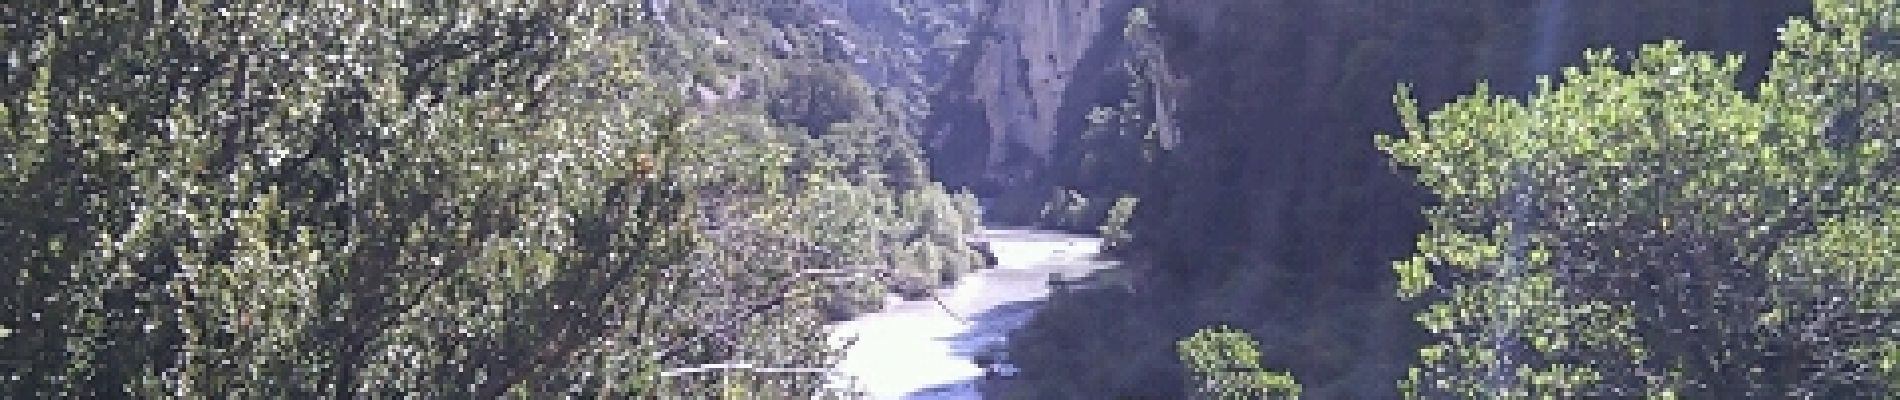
x=460 y=199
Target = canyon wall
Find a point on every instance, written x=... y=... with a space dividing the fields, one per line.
x=999 y=117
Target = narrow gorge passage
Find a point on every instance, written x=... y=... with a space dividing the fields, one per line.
x=921 y=349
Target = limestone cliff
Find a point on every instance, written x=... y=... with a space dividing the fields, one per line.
x=1027 y=67
x=1018 y=73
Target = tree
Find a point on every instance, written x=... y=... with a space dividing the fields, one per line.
x=1225 y=364
x=477 y=198
x=1663 y=211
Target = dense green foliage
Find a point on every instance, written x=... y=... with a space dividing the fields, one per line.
x=669 y=199
x=1268 y=207
x=1650 y=229
x=464 y=199
x=1225 y=364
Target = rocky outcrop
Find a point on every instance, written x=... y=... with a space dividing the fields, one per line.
x=1019 y=73
x=1027 y=67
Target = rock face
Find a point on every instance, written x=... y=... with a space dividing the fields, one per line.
x=1017 y=75
x=1028 y=65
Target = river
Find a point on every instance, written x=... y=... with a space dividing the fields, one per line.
x=926 y=349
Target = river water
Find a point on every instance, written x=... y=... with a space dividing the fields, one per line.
x=926 y=349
